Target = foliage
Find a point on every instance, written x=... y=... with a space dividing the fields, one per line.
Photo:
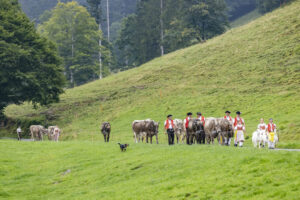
x=265 y=6
x=185 y=22
x=30 y=66
x=238 y=8
x=76 y=33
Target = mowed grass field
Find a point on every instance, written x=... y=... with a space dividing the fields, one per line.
x=95 y=170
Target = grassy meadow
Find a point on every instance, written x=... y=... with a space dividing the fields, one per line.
x=94 y=170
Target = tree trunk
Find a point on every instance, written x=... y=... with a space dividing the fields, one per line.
x=71 y=73
x=107 y=20
x=161 y=28
x=100 y=56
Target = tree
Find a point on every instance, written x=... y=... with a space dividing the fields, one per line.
x=209 y=18
x=76 y=34
x=96 y=12
x=30 y=66
x=265 y=6
x=160 y=26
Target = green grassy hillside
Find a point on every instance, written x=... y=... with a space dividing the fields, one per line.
x=246 y=18
x=94 y=170
x=254 y=68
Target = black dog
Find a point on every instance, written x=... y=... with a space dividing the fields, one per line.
x=123 y=146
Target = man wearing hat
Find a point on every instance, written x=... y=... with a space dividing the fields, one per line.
x=169 y=126
x=271 y=134
x=227 y=116
x=238 y=120
x=186 y=124
x=202 y=118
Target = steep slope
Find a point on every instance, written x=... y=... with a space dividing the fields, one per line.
x=254 y=68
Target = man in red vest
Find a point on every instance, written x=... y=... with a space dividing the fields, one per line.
x=201 y=117
x=228 y=117
x=186 y=124
x=169 y=127
x=237 y=119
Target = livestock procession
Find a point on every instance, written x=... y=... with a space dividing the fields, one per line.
x=199 y=130
x=202 y=130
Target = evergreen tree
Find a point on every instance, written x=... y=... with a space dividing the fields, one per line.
x=30 y=68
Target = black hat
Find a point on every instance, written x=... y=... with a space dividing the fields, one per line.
x=227 y=111
x=189 y=113
x=199 y=113
x=238 y=112
x=169 y=116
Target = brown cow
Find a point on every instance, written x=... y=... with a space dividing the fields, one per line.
x=194 y=130
x=227 y=131
x=140 y=127
x=105 y=130
x=37 y=132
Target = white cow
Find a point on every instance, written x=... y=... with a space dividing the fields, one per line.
x=179 y=130
x=259 y=137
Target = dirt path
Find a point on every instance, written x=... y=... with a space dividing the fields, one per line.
x=287 y=150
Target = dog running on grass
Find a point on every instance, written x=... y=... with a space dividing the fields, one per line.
x=123 y=146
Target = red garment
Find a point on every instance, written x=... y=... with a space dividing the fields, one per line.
x=262 y=127
x=230 y=119
x=186 y=122
x=271 y=127
x=203 y=120
x=168 y=124
x=236 y=121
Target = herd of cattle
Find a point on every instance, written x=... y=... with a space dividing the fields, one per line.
x=219 y=128
x=37 y=132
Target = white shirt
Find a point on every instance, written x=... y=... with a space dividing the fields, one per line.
x=259 y=126
x=240 y=126
x=19 y=130
x=170 y=124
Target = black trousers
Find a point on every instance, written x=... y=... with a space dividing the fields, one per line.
x=171 y=136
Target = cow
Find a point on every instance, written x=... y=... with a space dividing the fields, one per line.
x=211 y=129
x=142 y=127
x=37 y=132
x=194 y=130
x=56 y=133
x=226 y=130
x=105 y=130
x=179 y=130
x=50 y=132
x=259 y=138
x=256 y=138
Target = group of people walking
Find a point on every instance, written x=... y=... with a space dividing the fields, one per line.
x=238 y=125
